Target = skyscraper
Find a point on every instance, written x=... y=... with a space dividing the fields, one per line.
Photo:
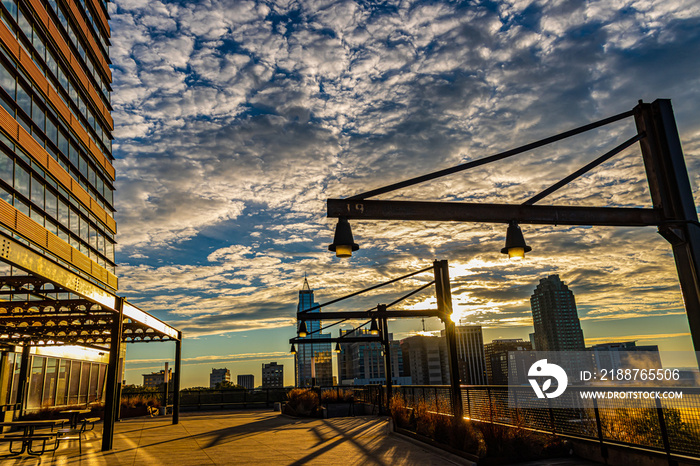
x=362 y=363
x=470 y=354
x=497 y=360
x=314 y=362
x=557 y=327
x=56 y=158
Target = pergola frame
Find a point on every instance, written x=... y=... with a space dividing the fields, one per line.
x=673 y=207
x=54 y=306
x=382 y=314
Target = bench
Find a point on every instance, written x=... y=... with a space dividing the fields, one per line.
x=91 y=421
x=72 y=434
x=28 y=441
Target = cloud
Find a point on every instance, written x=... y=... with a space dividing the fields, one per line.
x=236 y=120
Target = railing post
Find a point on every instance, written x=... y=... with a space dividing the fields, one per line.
x=664 y=432
x=603 y=447
x=176 y=379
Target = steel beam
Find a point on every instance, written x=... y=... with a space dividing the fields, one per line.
x=23 y=380
x=492 y=213
x=308 y=341
x=671 y=192
x=392 y=314
x=387 y=358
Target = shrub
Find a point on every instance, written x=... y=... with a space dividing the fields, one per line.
x=302 y=402
x=337 y=396
x=399 y=412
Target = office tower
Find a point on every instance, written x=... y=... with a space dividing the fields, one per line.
x=156 y=379
x=470 y=354
x=362 y=363
x=219 y=376
x=497 y=359
x=246 y=381
x=557 y=327
x=625 y=355
x=425 y=360
x=272 y=375
x=314 y=362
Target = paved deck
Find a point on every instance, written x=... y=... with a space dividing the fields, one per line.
x=243 y=437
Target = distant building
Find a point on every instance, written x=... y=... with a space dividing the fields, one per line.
x=314 y=361
x=362 y=363
x=218 y=376
x=470 y=354
x=272 y=375
x=155 y=379
x=557 y=327
x=246 y=381
x=425 y=360
x=497 y=359
x=626 y=355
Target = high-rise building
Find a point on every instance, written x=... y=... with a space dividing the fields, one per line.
x=272 y=375
x=557 y=327
x=362 y=363
x=470 y=354
x=246 y=381
x=155 y=379
x=314 y=361
x=497 y=360
x=425 y=360
x=219 y=376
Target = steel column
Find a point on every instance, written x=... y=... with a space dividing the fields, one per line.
x=111 y=396
x=671 y=193
x=387 y=354
x=176 y=379
x=23 y=380
x=444 y=303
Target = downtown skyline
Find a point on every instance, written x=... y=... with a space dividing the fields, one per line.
x=235 y=121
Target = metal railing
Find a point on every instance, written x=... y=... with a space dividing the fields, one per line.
x=669 y=426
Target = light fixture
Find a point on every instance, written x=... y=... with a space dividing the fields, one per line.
x=337 y=347
x=293 y=350
x=343 y=244
x=374 y=328
x=302 y=329
x=515 y=242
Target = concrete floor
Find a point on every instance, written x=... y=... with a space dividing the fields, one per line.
x=244 y=437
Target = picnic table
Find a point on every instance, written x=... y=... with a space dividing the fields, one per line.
x=29 y=435
x=73 y=416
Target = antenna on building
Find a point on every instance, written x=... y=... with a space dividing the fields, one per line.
x=423 y=320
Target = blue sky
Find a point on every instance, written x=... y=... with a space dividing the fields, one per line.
x=236 y=120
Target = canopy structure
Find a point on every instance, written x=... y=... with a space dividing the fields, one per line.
x=44 y=302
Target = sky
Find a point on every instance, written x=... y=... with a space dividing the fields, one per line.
x=236 y=120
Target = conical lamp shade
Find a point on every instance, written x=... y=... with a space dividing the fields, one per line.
x=343 y=244
x=337 y=347
x=374 y=328
x=293 y=350
x=515 y=242
x=302 y=329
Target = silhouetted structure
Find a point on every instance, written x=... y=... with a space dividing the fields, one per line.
x=314 y=362
x=272 y=375
x=557 y=327
x=218 y=376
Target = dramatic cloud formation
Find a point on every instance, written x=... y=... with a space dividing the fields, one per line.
x=237 y=119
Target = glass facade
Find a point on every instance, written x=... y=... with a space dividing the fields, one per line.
x=314 y=360
x=48 y=379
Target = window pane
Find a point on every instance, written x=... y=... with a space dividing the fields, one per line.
x=51 y=130
x=38 y=116
x=7 y=80
x=61 y=383
x=36 y=382
x=51 y=204
x=38 y=192
x=94 y=381
x=6 y=167
x=74 y=382
x=63 y=143
x=50 y=382
x=24 y=100
x=21 y=181
x=74 y=223
x=84 y=382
